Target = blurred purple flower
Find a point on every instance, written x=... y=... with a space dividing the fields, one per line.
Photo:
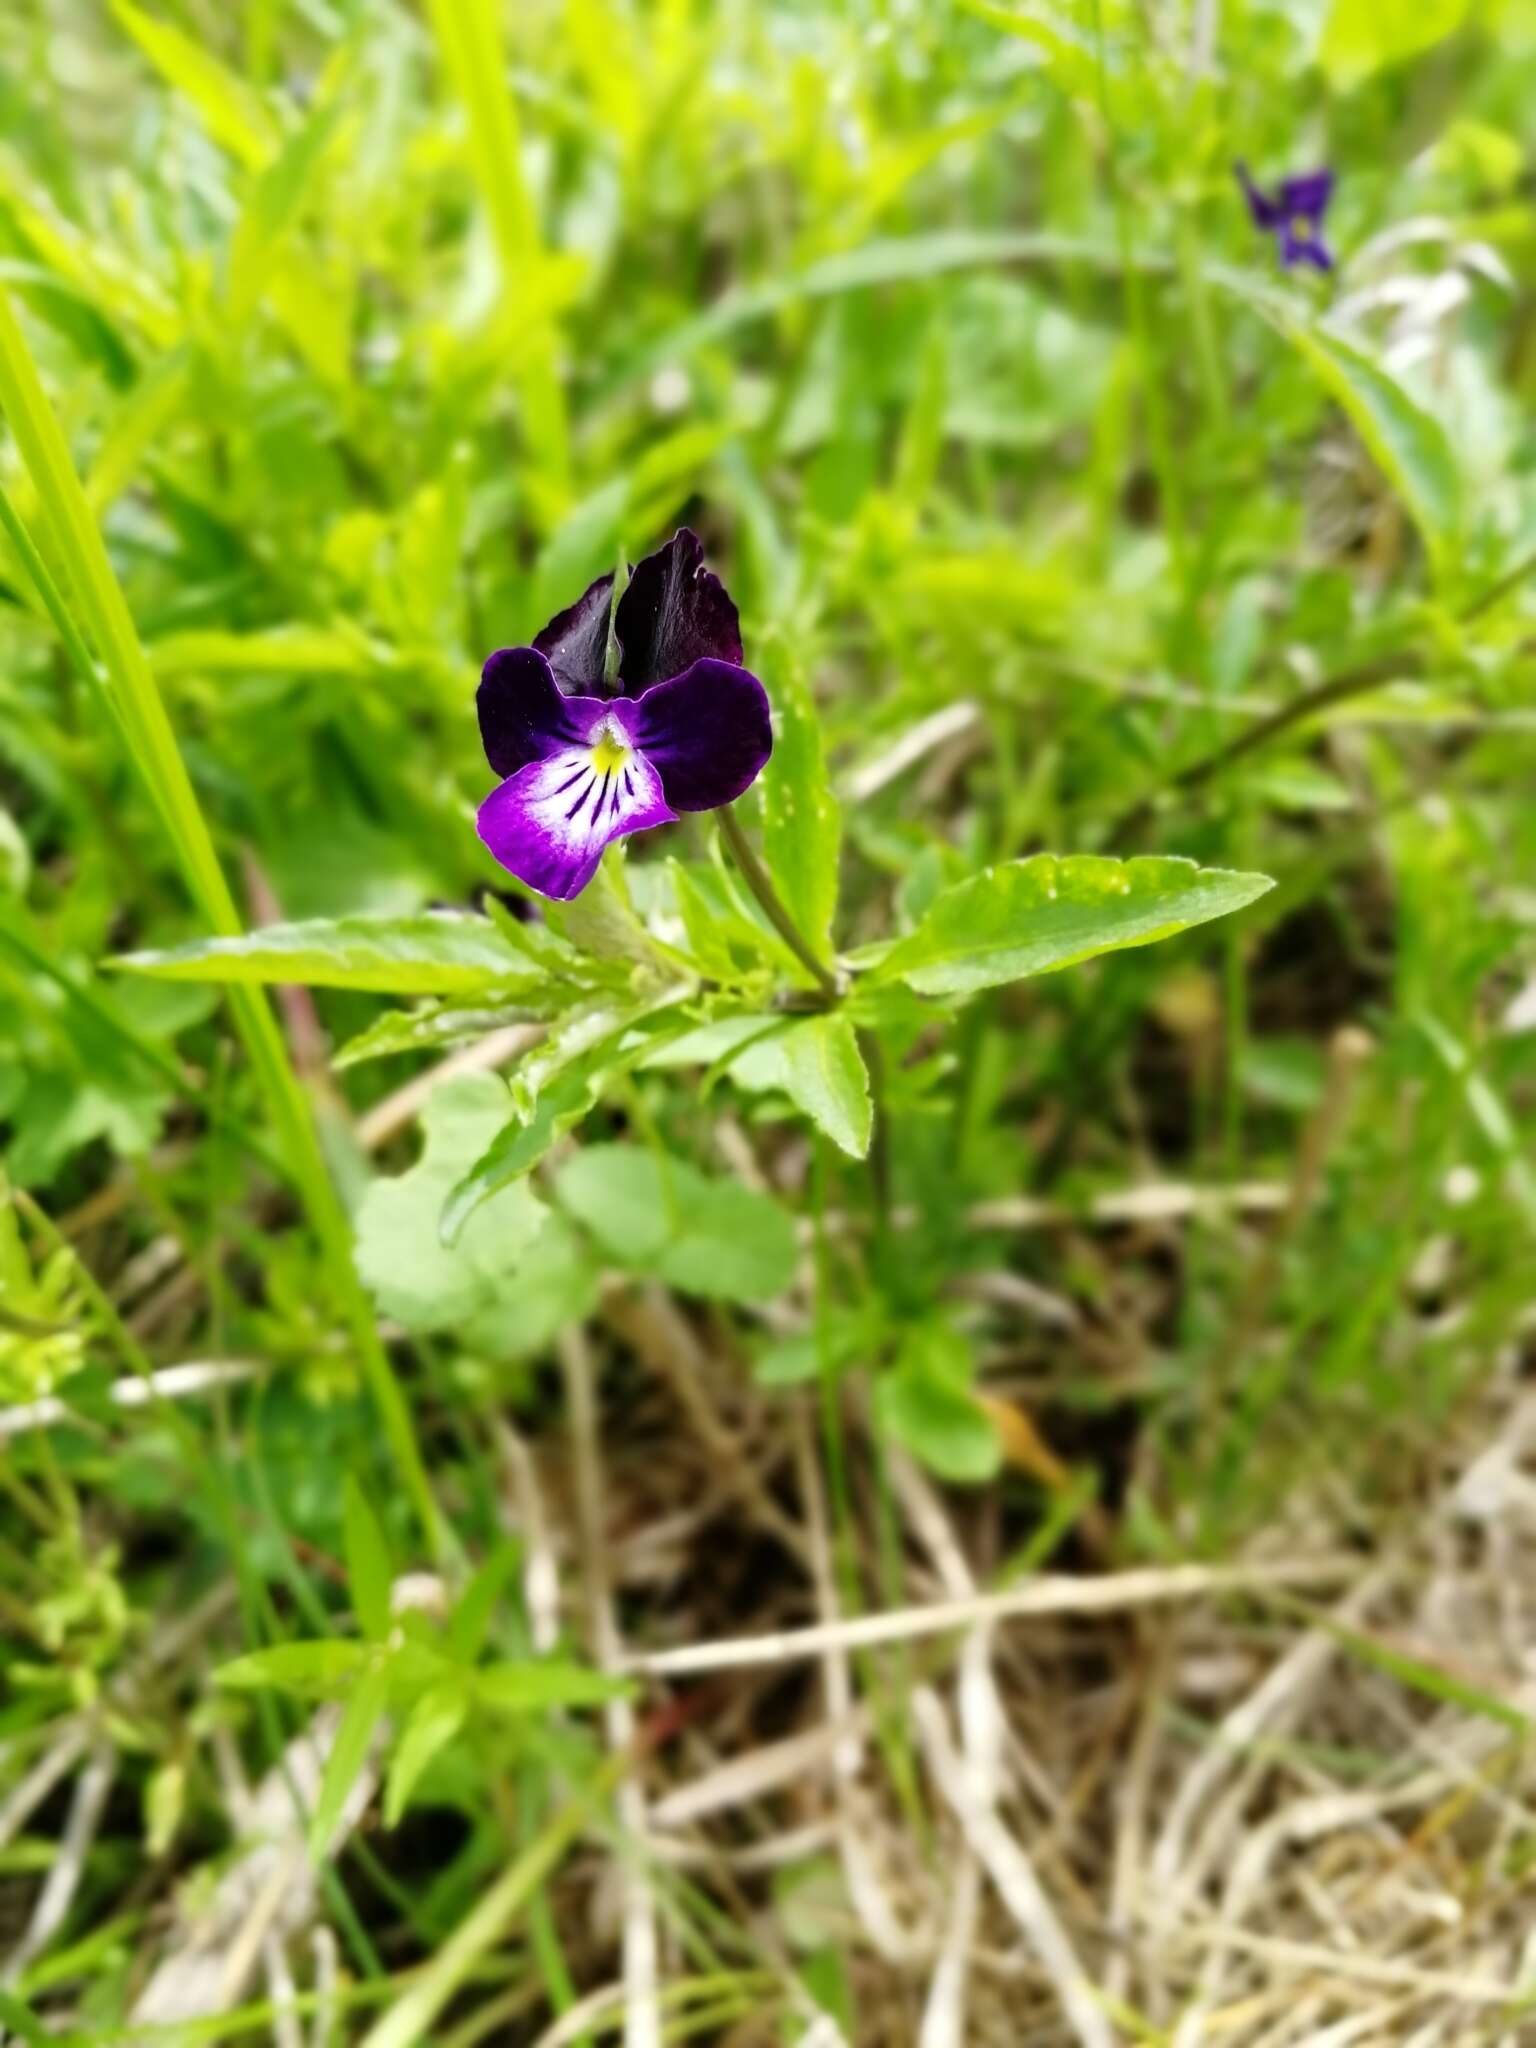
x=583 y=766
x=1293 y=214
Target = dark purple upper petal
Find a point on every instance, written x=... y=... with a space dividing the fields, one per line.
x=575 y=642
x=1266 y=212
x=524 y=716
x=673 y=613
x=707 y=733
x=1307 y=196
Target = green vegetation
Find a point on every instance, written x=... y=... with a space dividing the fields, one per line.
x=1073 y=1115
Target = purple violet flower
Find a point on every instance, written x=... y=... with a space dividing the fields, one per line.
x=581 y=766
x=1293 y=214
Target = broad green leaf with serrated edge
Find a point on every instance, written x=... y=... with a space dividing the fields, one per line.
x=530 y=1688
x=311 y=1671
x=659 y=1217
x=434 y=953
x=1033 y=916
x=368 y=1567
x=802 y=824
x=435 y=1719
x=411 y=1274
x=823 y=1075
x=360 y=1717
x=1408 y=444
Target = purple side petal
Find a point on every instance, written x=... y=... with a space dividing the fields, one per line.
x=1264 y=210
x=708 y=733
x=548 y=823
x=1307 y=195
x=523 y=715
x=673 y=613
x=575 y=642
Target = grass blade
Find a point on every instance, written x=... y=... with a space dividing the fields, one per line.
x=139 y=715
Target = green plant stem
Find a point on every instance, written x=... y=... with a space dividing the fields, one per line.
x=760 y=882
x=138 y=714
x=880 y=1133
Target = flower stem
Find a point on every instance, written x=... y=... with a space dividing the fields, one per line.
x=760 y=882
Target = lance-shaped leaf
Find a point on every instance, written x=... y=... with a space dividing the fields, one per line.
x=438 y=953
x=1408 y=445
x=1033 y=916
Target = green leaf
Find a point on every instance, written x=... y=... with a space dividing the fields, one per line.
x=232 y=113
x=311 y=1671
x=281 y=651
x=659 y=1217
x=818 y=1065
x=554 y=1088
x=1407 y=444
x=369 y=1573
x=436 y=953
x=714 y=1043
x=847 y=1335
x=277 y=199
x=824 y=1075
x=533 y=1688
x=1072 y=56
x=802 y=824
x=557 y=1284
x=1034 y=916
x=410 y=1273
x=708 y=944
x=435 y=1027
x=470 y=1621
x=1362 y=36
x=602 y=921
x=434 y=1721
x=349 y=1752
x=925 y=1402
x=23 y=2023
x=516 y=1149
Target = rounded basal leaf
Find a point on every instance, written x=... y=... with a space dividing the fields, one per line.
x=1033 y=916
x=657 y=1216
x=926 y=1403
x=412 y=1275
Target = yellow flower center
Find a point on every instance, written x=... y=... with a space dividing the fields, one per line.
x=609 y=750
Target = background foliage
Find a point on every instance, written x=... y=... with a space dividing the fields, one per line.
x=1058 y=520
